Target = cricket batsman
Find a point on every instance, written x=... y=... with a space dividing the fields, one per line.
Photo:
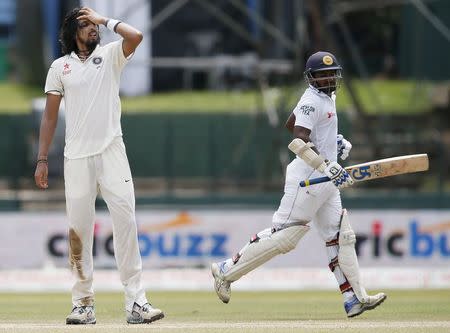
x=314 y=121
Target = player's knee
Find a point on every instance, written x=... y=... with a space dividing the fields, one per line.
x=125 y=219
x=346 y=235
x=288 y=237
x=347 y=238
x=129 y=223
x=280 y=219
x=286 y=246
x=123 y=210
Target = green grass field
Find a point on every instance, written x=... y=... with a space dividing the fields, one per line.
x=393 y=96
x=297 y=311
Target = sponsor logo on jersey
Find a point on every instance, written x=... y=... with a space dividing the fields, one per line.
x=307 y=109
x=66 y=69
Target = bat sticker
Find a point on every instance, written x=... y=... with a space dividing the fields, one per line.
x=361 y=172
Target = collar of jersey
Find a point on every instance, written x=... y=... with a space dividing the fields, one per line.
x=74 y=55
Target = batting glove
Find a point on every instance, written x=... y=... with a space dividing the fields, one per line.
x=338 y=175
x=343 y=147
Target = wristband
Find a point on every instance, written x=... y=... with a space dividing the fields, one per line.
x=112 y=24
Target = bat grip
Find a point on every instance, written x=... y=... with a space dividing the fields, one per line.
x=312 y=181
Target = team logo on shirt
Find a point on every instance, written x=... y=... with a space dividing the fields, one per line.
x=307 y=109
x=66 y=69
x=97 y=60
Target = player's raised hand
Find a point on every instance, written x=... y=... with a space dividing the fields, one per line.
x=343 y=147
x=338 y=175
x=41 y=175
x=89 y=14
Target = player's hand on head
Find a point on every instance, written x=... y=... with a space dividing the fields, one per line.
x=338 y=175
x=343 y=147
x=41 y=175
x=87 y=13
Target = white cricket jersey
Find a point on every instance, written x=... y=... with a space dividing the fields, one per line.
x=316 y=111
x=91 y=95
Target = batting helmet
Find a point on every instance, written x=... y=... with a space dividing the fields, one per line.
x=323 y=61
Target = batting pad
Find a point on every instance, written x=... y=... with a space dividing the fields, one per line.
x=347 y=258
x=268 y=245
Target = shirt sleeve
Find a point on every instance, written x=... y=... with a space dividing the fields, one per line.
x=53 y=84
x=119 y=58
x=306 y=114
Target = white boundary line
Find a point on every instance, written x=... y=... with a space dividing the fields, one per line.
x=253 y=324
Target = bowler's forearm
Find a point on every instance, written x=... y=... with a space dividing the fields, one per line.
x=46 y=133
x=129 y=33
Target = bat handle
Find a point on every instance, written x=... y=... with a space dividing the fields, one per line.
x=312 y=181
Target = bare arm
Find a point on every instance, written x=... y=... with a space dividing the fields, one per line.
x=290 y=123
x=46 y=133
x=303 y=133
x=131 y=36
x=299 y=131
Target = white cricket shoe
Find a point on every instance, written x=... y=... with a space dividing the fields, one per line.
x=143 y=314
x=222 y=287
x=81 y=315
x=354 y=307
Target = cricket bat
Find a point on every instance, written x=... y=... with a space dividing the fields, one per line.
x=381 y=168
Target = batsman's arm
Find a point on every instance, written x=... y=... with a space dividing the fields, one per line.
x=47 y=130
x=299 y=131
x=290 y=123
x=333 y=171
x=304 y=133
x=302 y=146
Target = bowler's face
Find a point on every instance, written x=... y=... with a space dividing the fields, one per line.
x=87 y=33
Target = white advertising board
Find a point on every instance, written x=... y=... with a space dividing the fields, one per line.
x=195 y=238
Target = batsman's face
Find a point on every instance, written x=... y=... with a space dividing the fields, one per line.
x=325 y=78
x=88 y=33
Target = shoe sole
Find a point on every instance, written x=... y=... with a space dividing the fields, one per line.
x=148 y=321
x=154 y=318
x=214 y=270
x=369 y=307
x=79 y=322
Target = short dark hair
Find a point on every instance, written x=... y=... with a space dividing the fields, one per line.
x=68 y=32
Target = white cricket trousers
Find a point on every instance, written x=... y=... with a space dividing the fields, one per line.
x=320 y=203
x=109 y=173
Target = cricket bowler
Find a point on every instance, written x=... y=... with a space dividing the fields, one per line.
x=87 y=76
